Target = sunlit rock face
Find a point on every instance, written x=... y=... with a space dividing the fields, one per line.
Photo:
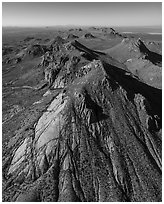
x=97 y=141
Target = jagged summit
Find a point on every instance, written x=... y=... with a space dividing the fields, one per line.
x=134 y=48
x=112 y=33
x=135 y=43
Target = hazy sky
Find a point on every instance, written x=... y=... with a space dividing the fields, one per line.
x=82 y=13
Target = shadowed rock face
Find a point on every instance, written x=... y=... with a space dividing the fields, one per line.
x=136 y=49
x=139 y=60
x=89 y=35
x=71 y=36
x=111 y=33
x=99 y=140
x=153 y=57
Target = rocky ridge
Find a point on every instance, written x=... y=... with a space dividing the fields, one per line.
x=98 y=140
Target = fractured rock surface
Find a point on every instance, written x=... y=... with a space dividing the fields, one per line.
x=99 y=140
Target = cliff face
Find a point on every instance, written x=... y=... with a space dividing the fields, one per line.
x=99 y=139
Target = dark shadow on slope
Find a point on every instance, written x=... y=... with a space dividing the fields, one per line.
x=153 y=57
x=131 y=84
x=91 y=54
x=134 y=86
x=97 y=110
x=88 y=57
x=85 y=49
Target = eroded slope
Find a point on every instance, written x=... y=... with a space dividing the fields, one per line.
x=98 y=140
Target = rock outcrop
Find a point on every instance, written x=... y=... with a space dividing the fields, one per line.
x=153 y=57
x=112 y=33
x=36 y=50
x=98 y=140
x=72 y=37
x=89 y=36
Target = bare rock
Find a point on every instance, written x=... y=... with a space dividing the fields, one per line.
x=97 y=141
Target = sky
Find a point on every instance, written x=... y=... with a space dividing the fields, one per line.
x=82 y=13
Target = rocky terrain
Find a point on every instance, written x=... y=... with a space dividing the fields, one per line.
x=82 y=118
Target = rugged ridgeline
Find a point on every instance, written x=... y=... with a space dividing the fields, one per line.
x=140 y=60
x=133 y=48
x=98 y=139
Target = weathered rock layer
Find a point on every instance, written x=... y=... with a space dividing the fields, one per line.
x=98 y=140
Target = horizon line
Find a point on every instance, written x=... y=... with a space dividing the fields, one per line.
x=48 y=26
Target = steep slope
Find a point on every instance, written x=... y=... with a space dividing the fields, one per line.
x=139 y=60
x=99 y=139
x=132 y=48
